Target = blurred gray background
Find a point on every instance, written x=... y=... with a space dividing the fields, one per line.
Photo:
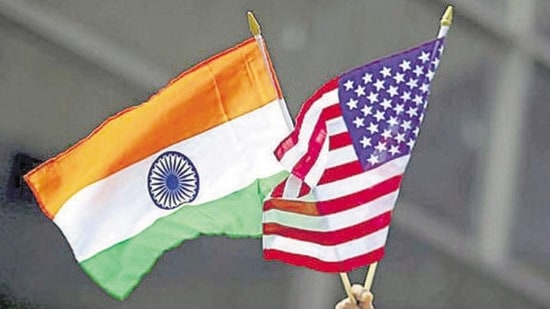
x=472 y=225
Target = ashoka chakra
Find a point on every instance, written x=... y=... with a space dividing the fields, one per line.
x=173 y=180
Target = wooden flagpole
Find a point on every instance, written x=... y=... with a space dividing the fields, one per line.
x=347 y=286
x=370 y=276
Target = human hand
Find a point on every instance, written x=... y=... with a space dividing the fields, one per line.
x=363 y=297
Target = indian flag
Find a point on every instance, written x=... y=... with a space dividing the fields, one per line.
x=196 y=158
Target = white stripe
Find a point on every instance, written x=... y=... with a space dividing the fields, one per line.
x=336 y=221
x=294 y=154
x=341 y=156
x=228 y=158
x=292 y=187
x=334 y=253
x=336 y=126
x=361 y=181
x=319 y=166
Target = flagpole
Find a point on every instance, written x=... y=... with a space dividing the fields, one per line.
x=347 y=286
x=370 y=276
x=257 y=33
x=446 y=22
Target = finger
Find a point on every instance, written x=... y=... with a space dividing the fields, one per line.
x=365 y=297
x=361 y=294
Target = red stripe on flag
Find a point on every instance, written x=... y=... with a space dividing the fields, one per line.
x=319 y=265
x=360 y=197
x=340 y=172
x=292 y=139
x=318 y=136
x=339 y=140
x=330 y=238
x=306 y=162
x=304 y=189
x=332 y=111
x=279 y=189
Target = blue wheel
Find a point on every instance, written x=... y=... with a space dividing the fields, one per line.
x=173 y=180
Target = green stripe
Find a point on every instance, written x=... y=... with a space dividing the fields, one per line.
x=119 y=268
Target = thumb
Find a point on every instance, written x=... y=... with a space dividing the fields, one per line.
x=364 y=297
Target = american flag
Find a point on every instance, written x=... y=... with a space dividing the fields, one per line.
x=347 y=156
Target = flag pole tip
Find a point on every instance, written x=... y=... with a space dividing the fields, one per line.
x=447 y=18
x=253 y=24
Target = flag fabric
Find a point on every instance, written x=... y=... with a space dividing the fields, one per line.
x=347 y=156
x=196 y=158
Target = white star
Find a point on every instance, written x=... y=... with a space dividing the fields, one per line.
x=406 y=125
x=405 y=65
x=441 y=49
x=352 y=104
x=367 y=110
x=421 y=116
x=373 y=97
x=379 y=115
x=393 y=121
x=399 y=78
x=359 y=122
x=400 y=137
x=425 y=88
x=349 y=84
x=435 y=62
x=430 y=75
x=360 y=91
x=386 y=134
x=425 y=57
x=373 y=159
x=394 y=149
x=367 y=78
x=398 y=109
x=379 y=84
x=412 y=83
x=416 y=131
x=386 y=104
x=418 y=71
x=392 y=92
x=413 y=111
x=365 y=141
x=386 y=72
x=417 y=99
x=373 y=128
x=381 y=146
x=410 y=143
x=406 y=96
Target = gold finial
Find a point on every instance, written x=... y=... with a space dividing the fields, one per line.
x=253 y=24
x=447 y=18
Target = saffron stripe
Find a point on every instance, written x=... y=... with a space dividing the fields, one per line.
x=55 y=181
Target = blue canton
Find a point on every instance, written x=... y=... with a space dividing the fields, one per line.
x=383 y=102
